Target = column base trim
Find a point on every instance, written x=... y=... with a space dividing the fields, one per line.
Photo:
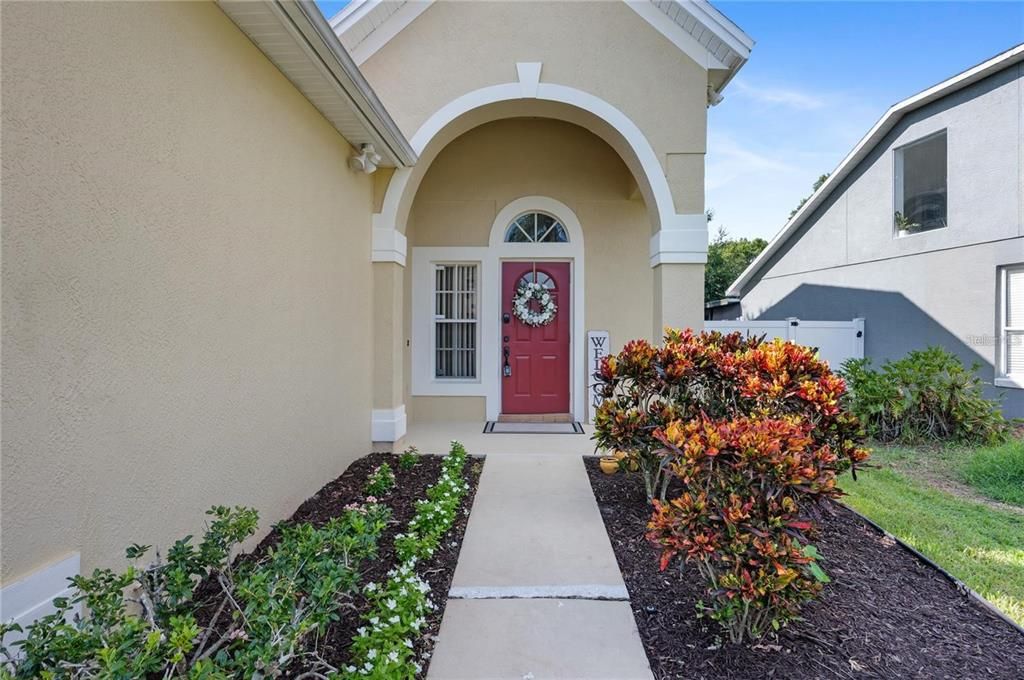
x=388 y=424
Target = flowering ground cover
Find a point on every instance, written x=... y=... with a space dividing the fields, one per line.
x=353 y=585
x=433 y=573
x=883 y=614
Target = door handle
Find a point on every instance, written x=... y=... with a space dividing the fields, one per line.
x=506 y=369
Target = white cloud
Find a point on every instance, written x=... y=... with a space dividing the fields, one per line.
x=790 y=98
x=729 y=161
x=753 y=184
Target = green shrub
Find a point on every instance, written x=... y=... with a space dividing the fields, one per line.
x=927 y=395
x=998 y=472
x=143 y=622
x=381 y=480
x=407 y=459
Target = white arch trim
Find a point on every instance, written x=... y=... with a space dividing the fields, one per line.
x=489 y=259
x=679 y=237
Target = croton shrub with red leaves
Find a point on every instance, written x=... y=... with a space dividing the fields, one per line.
x=754 y=433
x=739 y=520
x=692 y=375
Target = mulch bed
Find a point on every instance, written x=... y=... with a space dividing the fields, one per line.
x=886 y=614
x=410 y=486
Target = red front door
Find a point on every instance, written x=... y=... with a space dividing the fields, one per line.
x=537 y=377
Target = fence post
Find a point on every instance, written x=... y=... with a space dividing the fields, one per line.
x=792 y=324
x=858 y=337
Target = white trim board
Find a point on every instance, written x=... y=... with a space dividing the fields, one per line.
x=388 y=245
x=489 y=258
x=31 y=597
x=388 y=424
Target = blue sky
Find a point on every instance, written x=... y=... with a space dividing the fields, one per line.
x=820 y=75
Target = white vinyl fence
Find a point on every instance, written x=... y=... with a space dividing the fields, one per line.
x=836 y=341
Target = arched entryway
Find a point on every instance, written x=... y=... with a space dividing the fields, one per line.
x=467 y=220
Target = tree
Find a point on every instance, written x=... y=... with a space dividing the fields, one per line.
x=727 y=258
x=817 y=185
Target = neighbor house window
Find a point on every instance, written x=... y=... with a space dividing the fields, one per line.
x=536 y=227
x=1011 y=313
x=455 y=321
x=920 y=189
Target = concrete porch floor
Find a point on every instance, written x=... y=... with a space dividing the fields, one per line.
x=537 y=592
x=435 y=437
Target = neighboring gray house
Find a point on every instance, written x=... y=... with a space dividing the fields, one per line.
x=920 y=230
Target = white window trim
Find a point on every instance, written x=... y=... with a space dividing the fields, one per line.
x=897 y=182
x=1002 y=378
x=488 y=382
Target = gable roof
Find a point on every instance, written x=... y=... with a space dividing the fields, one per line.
x=866 y=145
x=298 y=41
x=694 y=26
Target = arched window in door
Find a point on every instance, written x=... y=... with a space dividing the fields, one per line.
x=537 y=277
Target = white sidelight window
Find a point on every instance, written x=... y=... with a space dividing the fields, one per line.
x=920 y=190
x=456 y=295
x=1010 y=372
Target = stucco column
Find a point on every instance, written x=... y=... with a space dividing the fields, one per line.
x=389 y=417
x=678 y=296
x=679 y=250
x=680 y=246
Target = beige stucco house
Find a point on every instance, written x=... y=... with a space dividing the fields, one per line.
x=242 y=244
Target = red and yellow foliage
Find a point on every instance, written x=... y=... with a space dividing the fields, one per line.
x=754 y=432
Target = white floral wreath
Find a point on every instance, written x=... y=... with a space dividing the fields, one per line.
x=524 y=312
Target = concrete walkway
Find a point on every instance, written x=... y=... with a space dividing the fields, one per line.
x=537 y=593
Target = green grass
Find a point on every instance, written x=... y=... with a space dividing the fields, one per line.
x=981 y=545
x=998 y=472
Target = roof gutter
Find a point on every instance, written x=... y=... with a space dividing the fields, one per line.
x=310 y=23
x=884 y=125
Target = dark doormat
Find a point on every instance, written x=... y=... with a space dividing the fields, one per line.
x=494 y=427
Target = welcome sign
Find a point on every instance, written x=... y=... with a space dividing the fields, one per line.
x=598 y=346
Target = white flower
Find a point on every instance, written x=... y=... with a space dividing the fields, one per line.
x=372 y=654
x=393 y=656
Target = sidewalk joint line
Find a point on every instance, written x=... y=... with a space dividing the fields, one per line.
x=564 y=592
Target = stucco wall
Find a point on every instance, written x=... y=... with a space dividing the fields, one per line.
x=485 y=169
x=602 y=48
x=185 y=275
x=936 y=287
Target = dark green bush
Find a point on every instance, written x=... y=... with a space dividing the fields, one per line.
x=927 y=396
x=147 y=621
